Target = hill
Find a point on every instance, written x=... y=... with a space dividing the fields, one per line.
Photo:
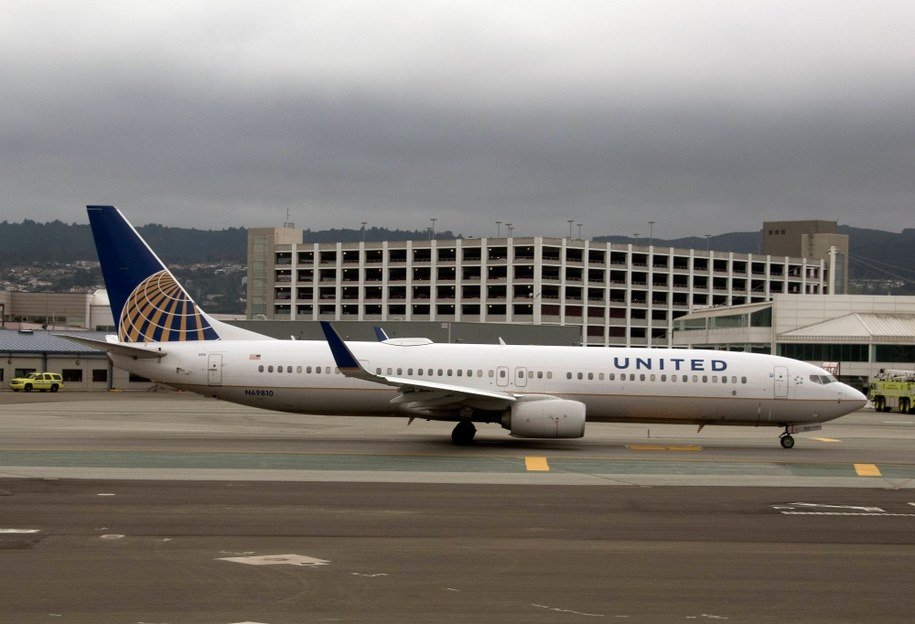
x=880 y=262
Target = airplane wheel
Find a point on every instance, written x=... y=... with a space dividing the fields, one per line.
x=787 y=441
x=463 y=433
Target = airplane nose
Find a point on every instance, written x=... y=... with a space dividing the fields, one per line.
x=855 y=397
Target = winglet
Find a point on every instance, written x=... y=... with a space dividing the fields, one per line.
x=344 y=358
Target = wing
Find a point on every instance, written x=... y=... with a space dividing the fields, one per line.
x=417 y=396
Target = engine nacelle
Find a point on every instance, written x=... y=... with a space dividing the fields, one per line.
x=545 y=418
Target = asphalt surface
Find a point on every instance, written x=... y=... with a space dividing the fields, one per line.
x=166 y=508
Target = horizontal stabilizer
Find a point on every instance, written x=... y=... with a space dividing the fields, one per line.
x=119 y=348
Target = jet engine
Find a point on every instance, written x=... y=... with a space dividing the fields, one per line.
x=545 y=417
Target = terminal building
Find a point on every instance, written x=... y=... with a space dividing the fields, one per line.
x=613 y=294
x=852 y=335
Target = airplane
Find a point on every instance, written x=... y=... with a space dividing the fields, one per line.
x=532 y=391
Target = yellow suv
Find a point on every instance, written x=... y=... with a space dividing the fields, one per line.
x=37 y=381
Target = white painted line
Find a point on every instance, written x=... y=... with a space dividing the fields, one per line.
x=292 y=559
x=854 y=508
x=20 y=531
x=848 y=513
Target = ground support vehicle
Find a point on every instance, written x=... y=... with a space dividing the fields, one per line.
x=893 y=389
x=37 y=381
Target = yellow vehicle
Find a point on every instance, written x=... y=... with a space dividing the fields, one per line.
x=37 y=381
x=893 y=389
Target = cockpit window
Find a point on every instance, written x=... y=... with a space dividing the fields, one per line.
x=822 y=379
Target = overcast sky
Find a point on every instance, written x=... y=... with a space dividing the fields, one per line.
x=704 y=117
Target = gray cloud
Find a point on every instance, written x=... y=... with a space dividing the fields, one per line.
x=701 y=116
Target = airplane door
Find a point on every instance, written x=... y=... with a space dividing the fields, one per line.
x=502 y=376
x=214 y=369
x=520 y=377
x=780 y=381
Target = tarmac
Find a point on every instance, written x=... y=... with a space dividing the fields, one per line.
x=167 y=507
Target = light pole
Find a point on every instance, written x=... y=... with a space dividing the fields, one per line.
x=364 y=223
x=509 y=227
x=432 y=229
x=579 y=231
x=498 y=229
x=650 y=233
x=707 y=245
x=571 y=221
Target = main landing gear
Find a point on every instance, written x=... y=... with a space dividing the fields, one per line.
x=787 y=441
x=463 y=433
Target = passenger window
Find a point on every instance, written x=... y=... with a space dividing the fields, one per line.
x=270 y=368
x=260 y=368
x=743 y=380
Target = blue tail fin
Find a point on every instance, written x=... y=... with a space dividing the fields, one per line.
x=148 y=303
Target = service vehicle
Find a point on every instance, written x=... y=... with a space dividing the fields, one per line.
x=893 y=389
x=37 y=381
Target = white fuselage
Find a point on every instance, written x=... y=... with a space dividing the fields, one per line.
x=615 y=384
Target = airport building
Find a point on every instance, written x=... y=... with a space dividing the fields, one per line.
x=613 y=294
x=24 y=351
x=816 y=240
x=30 y=310
x=853 y=335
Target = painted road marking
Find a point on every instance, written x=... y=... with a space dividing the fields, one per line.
x=826 y=439
x=817 y=509
x=867 y=470
x=536 y=464
x=20 y=531
x=663 y=447
x=297 y=560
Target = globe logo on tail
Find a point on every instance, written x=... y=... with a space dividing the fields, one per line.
x=159 y=310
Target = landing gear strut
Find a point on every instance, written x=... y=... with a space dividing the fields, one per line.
x=463 y=433
x=786 y=440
